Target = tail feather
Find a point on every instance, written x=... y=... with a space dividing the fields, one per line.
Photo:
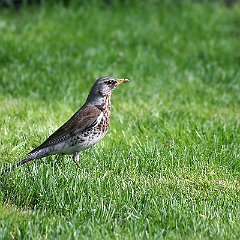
x=18 y=164
x=25 y=160
x=32 y=156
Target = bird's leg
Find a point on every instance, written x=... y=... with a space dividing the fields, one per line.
x=76 y=158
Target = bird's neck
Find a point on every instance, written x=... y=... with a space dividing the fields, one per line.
x=107 y=103
x=102 y=102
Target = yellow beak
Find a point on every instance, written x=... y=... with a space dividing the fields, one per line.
x=122 y=80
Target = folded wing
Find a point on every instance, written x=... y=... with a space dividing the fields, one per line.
x=84 y=118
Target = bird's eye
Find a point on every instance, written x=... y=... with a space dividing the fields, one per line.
x=110 y=82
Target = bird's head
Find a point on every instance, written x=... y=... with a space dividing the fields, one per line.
x=105 y=85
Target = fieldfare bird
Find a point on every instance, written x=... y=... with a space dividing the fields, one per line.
x=85 y=128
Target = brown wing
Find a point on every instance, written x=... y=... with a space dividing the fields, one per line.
x=84 y=118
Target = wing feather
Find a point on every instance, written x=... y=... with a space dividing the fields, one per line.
x=84 y=118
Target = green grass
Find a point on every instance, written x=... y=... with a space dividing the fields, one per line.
x=169 y=167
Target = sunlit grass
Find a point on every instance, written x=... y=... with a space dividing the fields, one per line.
x=169 y=167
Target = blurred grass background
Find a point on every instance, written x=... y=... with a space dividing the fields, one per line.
x=169 y=167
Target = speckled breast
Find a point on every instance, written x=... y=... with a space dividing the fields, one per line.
x=86 y=139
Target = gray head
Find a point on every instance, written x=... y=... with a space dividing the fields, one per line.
x=104 y=86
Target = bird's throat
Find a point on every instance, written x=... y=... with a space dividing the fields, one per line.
x=107 y=103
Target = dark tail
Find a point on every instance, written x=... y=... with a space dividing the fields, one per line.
x=25 y=160
x=13 y=166
x=32 y=156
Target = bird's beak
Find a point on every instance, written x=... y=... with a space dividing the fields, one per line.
x=122 y=80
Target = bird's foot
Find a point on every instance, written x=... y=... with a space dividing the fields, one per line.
x=76 y=158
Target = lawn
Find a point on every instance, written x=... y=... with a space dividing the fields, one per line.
x=169 y=167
